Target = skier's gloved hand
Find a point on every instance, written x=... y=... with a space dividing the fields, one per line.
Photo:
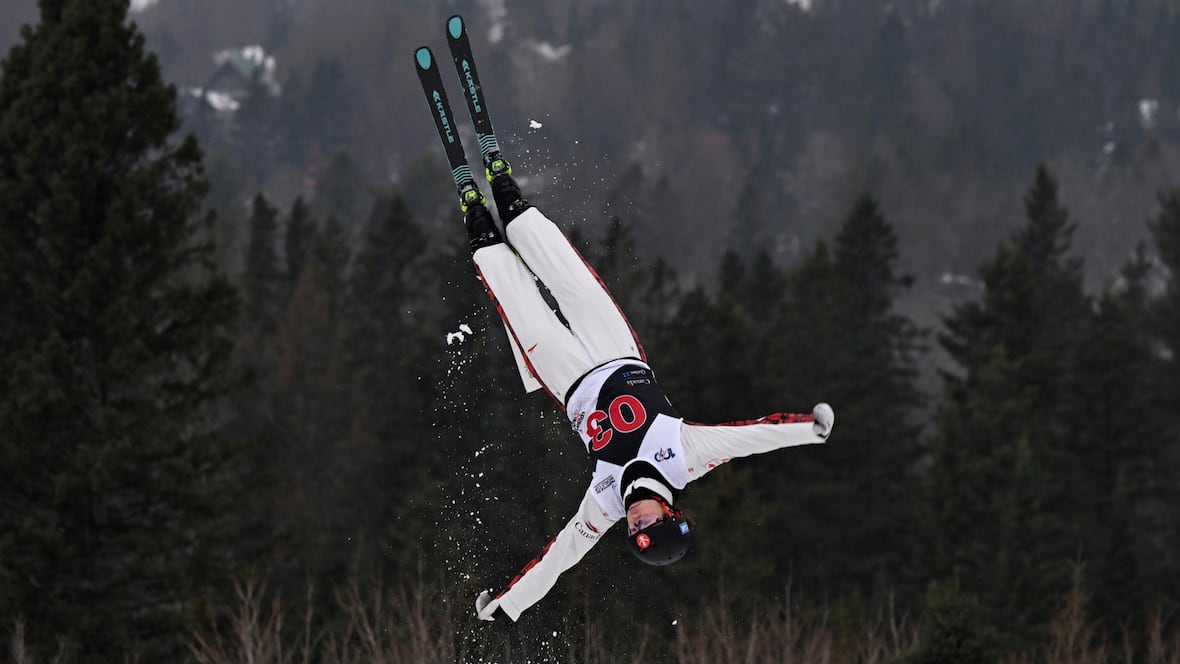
x=488 y=607
x=824 y=420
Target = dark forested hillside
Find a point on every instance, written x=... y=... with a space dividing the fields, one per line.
x=255 y=406
x=762 y=117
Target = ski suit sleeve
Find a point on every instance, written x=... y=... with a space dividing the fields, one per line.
x=534 y=581
x=708 y=446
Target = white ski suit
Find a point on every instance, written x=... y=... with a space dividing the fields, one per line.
x=596 y=369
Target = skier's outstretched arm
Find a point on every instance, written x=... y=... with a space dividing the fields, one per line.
x=708 y=446
x=536 y=578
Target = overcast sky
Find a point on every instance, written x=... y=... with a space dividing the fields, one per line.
x=15 y=14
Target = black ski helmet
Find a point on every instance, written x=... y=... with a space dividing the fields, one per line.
x=663 y=542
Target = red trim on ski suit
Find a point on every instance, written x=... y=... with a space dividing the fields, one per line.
x=524 y=570
x=773 y=418
x=594 y=273
x=515 y=340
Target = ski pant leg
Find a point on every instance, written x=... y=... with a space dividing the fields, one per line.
x=554 y=355
x=593 y=314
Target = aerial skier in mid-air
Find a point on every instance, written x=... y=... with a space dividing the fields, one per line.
x=644 y=453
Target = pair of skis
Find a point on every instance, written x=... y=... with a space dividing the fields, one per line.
x=448 y=133
x=444 y=120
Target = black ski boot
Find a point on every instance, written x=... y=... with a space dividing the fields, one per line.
x=481 y=228
x=510 y=203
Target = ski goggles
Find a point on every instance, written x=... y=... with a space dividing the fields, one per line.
x=646 y=521
x=649 y=520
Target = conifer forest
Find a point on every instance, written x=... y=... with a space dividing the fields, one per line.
x=256 y=406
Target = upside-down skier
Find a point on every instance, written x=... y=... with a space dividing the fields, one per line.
x=644 y=453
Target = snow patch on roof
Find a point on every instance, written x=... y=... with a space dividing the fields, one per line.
x=952 y=279
x=251 y=61
x=497 y=14
x=247 y=58
x=223 y=102
x=550 y=52
x=1148 y=109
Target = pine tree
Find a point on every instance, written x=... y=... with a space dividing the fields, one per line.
x=873 y=377
x=306 y=400
x=658 y=305
x=388 y=291
x=113 y=346
x=836 y=336
x=781 y=354
x=1022 y=564
x=643 y=290
x=1126 y=480
x=706 y=368
x=389 y=357
x=298 y=241
x=262 y=280
x=1002 y=443
x=330 y=256
x=953 y=630
x=758 y=288
x=1121 y=590
x=617 y=263
x=1165 y=233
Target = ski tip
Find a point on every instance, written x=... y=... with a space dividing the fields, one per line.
x=424 y=57
x=455 y=26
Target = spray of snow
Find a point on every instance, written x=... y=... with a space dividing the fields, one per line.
x=465 y=557
x=533 y=124
x=459 y=336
